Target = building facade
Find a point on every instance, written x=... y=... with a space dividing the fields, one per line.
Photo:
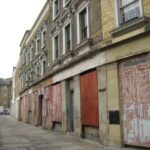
x=15 y=91
x=84 y=69
x=5 y=93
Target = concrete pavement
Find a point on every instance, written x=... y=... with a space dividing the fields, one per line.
x=19 y=136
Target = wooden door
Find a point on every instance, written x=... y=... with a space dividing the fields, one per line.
x=89 y=99
x=135 y=96
x=57 y=103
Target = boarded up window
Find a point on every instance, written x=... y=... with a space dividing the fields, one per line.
x=57 y=104
x=89 y=99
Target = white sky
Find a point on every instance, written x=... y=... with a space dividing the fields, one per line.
x=16 y=16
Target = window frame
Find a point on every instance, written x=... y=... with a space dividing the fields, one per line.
x=80 y=9
x=37 y=45
x=54 y=9
x=54 y=47
x=65 y=3
x=67 y=23
x=119 y=15
x=43 y=38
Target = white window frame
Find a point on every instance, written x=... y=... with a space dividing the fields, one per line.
x=42 y=38
x=54 y=9
x=36 y=45
x=65 y=3
x=53 y=47
x=118 y=12
x=80 y=9
x=64 y=35
x=31 y=53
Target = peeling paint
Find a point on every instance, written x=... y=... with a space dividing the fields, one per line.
x=135 y=87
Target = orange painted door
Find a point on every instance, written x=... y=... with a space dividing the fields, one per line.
x=89 y=99
x=135 y=95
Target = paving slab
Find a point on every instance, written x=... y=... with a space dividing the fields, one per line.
x=16 y=135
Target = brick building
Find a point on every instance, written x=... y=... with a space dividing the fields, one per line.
x=84 y=69
x=5 y=92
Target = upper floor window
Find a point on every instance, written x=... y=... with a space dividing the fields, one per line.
x=56 y=44
x=37 y=45
x=31 y=53
x=67 y=38
x=65 y=2
x=129 y=10
x=43 y=37
x=44 y=67
x=55 y=8
x=82 y=24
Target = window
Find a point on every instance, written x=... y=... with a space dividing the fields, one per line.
x=82 y=23
x=55 y=8
x=38 y=71
x=65 y=2
x=67 y=38
x=43 y=37
x=44 y=67
x=31 y=53
x=129 y=10
x=56 y=47
x=37 y=45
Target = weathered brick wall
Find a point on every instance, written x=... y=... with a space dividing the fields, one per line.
x=108 y=17
x=146 y=8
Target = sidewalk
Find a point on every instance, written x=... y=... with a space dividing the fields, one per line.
x=20 y=136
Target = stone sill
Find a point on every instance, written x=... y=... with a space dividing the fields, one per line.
x=129 y=26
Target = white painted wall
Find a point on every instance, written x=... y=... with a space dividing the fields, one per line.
x=90 y=63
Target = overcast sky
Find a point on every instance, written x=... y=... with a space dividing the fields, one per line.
x=16 y=16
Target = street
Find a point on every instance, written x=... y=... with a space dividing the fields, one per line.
x=19 y=136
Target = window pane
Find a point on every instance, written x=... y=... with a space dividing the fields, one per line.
x=56 y=47
x=125 y=2
x=83 y=24
x=83 y=18
x=56 y=7
x=131 y=11
x=67 y=34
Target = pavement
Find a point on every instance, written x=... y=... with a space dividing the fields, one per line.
x=16 y=135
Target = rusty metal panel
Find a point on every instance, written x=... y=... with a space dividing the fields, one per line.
x=135 y=87
x=57 y=103
x=89 y=99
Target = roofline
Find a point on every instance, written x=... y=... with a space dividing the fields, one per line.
x=40 y=14
x=26 y=32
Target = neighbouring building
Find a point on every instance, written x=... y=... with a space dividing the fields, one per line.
x=85 y=69
x=15 y=91
x=5 y=93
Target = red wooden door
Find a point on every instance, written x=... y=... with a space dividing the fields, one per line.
x=135 y=87
x=89 y=99
x=57 y=104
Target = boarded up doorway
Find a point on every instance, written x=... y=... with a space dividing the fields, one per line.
x=70 y=105
x=40 y=109
x=89 y=105
x=135 y=95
